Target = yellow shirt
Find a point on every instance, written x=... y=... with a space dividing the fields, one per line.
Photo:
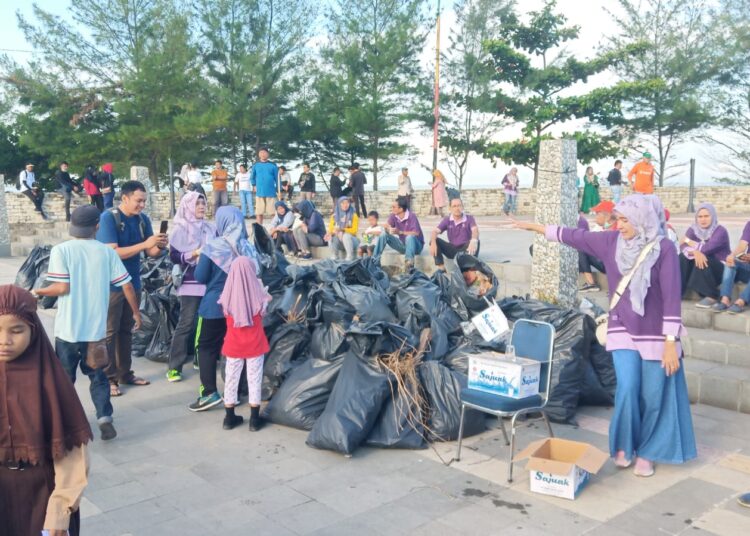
x=352 y=229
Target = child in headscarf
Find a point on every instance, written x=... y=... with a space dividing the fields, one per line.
x=213 y=268
x=43 y=429
x=342 y=230
x=244 y=301
x=704 y=249
x=190 y=232
x=651 y=420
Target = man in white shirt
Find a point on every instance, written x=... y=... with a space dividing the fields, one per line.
x=405 y=189
x=30 y=188
x=243 y=186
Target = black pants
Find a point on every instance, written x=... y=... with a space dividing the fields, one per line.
x=705 y=282
x=211 y=332
x=286 y=238
x=182 y=344
x=449 y=250
x=586 y=262
x=37 y=199
x=98 y=201
x=359 y=202
x=68 y=196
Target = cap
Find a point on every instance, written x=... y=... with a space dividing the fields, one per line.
x=646 y=155
x=604 y=206
x=29 y=164
x=83 y=221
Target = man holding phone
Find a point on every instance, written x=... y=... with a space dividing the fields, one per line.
x=736 y=268
x=128 y=231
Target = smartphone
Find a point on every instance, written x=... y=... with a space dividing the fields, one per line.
x=163 y=227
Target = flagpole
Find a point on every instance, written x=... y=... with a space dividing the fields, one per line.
x=436 y=111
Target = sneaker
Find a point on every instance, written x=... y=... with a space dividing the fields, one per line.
x=705 y=303
x=719 y=307
x=306 y=256
x=589 y=288
x=174 y=376
x=205 y=402
x=744 y=500
x=108 y=431
x=735 y=309
x=232 y=421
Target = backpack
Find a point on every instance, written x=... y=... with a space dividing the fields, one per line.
x=117 y=215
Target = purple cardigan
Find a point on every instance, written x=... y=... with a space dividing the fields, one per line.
x=716 y=247
x=663 y=304
x=189 y=287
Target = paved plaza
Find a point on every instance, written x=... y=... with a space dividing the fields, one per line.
x=171 y=471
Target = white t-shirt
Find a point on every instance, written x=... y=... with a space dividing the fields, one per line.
x=371 y=234
x=89 y=267
x=244 y=180
x=26 y=180
x=194 y=176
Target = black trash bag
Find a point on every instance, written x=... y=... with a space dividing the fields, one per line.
x=327 y=270
x=328 y=341
x=288 y=347
x=353 y=407
x=292 y=299
x=33 y=266
x=474 y=304
x=156 y=272
x=378 y=338
x=574 y=333
x=324 y=306
x=370 y=303
x=415 y=288
x=592 y=391
x=399 y=425
x=304 y=394
x=296 y=273
x=458 y=358
x=443 y=281
x=47 y=302
x=151 y=317
x=364 y=271
x=442 y=389
x=273 y=264
x=169 y=313
x=603 y=365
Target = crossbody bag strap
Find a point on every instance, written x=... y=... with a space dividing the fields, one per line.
x=625 y=281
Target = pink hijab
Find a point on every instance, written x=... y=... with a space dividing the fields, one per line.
x=244 y=296
x=188 y=232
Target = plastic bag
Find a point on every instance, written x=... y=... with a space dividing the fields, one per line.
x=35 y=263
x=399 y=425
x=328 y=341
x=370 y=303
x=159 y=346
x=156 y=272
x=365 y=271
x=473 y=303
x=273 y=264
x=151 y=316
x=353 y=407
x=326 y=307
x=304 y=394
x=442 y=389
x=288 y=347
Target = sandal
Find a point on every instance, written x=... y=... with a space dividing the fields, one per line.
x=114 y=390
x=135 y=380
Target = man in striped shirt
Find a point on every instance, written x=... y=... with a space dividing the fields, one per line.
x=80 y=272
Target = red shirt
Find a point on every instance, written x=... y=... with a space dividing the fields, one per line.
x=245 y=342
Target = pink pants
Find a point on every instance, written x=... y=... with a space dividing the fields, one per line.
x=233 y=372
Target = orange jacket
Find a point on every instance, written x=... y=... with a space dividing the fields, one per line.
x=644 y=177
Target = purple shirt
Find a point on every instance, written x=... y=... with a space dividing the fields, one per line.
x=746 y=233
x=583 y=223
x=189 y=287
x=409 y=224
x=716 y=247
x=459 y=232
x=663 y=305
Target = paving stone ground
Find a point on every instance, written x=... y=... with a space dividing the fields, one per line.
x=174 y=472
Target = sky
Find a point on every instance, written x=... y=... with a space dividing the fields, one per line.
x=590 y=15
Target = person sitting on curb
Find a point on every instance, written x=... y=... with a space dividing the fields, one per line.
x=281 y=228
x=403 y=234
x=311 y=232
x=342 y=230
x=29 y=186
x=371 y=234
x=462 y=231
x=736 y=268
x=605 y=221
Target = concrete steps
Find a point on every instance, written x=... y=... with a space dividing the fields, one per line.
x=714 y=384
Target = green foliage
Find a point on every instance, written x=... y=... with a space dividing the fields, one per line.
x=529 y=59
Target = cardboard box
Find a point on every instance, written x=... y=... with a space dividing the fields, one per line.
x=493 y=373
x=559 y=467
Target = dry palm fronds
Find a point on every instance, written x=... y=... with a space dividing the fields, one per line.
x=296 y=314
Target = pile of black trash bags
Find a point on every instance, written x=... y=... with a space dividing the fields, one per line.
x=329 y=324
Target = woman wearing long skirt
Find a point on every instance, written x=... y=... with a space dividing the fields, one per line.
x=439 y=193
x=703 y=250
x=43 y=429
x=651 y=421
x=590 y=191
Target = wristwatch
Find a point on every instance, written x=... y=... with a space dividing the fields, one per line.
x=671 y=338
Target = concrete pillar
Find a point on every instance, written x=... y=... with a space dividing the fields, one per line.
x=554 y=270
x=4 y=225
x=140 y=173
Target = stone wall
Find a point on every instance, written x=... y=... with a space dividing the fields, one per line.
x=487 y=202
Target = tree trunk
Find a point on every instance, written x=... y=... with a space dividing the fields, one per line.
x=153 y=172
x=375 y=166
x=662 y=159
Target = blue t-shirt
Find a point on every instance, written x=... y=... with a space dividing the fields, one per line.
x=264 y=176
x=90 y=268
x=131 y=235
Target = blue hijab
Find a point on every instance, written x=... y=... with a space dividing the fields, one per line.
x=343 y=218
x=306 y=208
x=232 y=241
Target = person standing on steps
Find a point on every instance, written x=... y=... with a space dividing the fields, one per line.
x=128 y=231
x=651 y=420
x=405 y=189
x=336 y=185
x=81 y=271
x=245 y=189
x=28 y=186
x=219 y=177
x=214 y=264
x=244 y=301
x=67 y=186
x=265 y=180
x=463 y=235
x=641 y=176
x=107 y=182
x=357 y=181
x=190 y=233
x=307 y=182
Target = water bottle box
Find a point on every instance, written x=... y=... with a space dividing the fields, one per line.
x=493 y=373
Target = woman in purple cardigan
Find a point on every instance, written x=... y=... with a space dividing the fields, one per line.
x=702 y=250
x=651 y=420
